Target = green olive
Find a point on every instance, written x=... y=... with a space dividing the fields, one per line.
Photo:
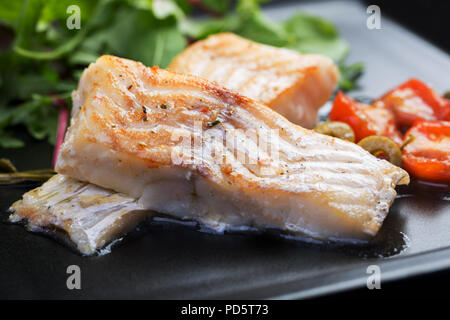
x=378 y=144
x=336 y=129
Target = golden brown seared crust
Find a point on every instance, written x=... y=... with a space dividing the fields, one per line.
x=292 y=84
x=116 y=121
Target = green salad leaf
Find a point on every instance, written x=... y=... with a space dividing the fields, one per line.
x=315 y=35
x=43 y=60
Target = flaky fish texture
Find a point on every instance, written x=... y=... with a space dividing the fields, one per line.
x=128 y=134
x=295 y=85
x=89 y=215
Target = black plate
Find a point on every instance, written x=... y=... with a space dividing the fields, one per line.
x=167 y=260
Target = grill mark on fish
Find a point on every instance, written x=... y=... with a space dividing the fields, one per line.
x=294 y=85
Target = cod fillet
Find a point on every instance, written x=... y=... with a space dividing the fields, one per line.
x=150 y=139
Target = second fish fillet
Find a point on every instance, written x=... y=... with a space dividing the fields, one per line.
x=293 y=84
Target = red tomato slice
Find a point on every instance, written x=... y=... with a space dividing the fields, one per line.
x=415 y=101
x=365 y=120
x=428 y=156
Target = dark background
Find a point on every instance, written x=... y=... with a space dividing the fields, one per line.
x=428 y=18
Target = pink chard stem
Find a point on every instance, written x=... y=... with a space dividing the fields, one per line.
x=63 y=117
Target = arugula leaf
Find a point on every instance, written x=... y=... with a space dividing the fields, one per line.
x=10 y=12
x=200 y=29
x=8 y=141
x=250 y=6
x=248 y=22
x=26 y=24
x=39 y=117
x=56 y=10
x=310 y=34
x=259 y=28
x=164 y=9
x=219 y=6
x=82 y=57
x=349 y=75
x=41 y=84
x=32 y=13
x=144 y=37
